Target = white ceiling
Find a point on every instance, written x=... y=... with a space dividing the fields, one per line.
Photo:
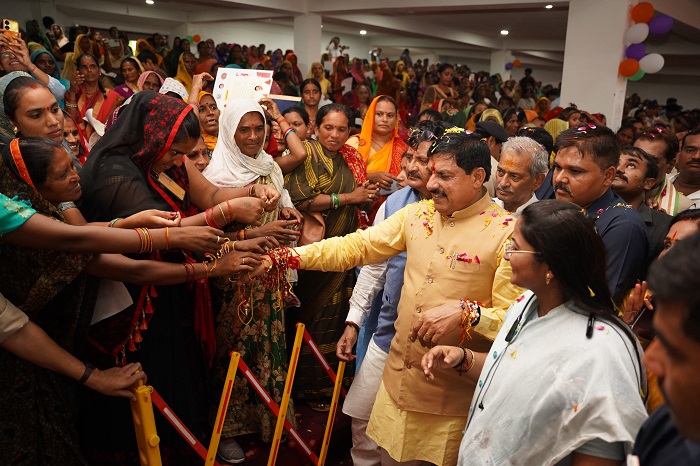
x=451 y=28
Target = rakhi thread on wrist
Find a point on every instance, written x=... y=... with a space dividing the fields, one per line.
x=471 y=314
x=282 y=260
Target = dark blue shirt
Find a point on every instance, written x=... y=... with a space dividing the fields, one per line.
x=546 y=191
x=623 y=231
x=660 y=444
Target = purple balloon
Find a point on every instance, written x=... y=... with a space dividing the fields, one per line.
x=636 y=51
x=509 y=66
x=660 y=24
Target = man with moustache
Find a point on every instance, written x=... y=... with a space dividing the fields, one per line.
x=663 y=147
x=687 y=181
x=636 y=174
x=375 y=299
x=584 y=169
x=455 y=278
x=671 y=435
x=521 y=170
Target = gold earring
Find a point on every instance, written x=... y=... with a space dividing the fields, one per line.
x=547 y=279
x=15 y=130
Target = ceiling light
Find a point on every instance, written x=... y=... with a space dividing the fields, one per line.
x=150 y=2
x=504 y=32
x=549 y=7
x=363 y=32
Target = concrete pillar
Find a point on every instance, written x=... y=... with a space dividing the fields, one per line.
x=307 y=40
x=594 y=47
x=498 y=63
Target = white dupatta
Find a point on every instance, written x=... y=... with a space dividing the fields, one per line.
x=229 y=167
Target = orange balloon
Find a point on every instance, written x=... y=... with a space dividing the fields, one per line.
x=629 y=67
x=642 y=12
x=197 y=37
x=517 y=63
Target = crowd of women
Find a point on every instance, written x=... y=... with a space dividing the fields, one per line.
x=134 y=211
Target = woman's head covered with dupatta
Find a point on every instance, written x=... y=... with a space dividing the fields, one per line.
x=150 y=81
x=382 y=122
x=152 y=134
x=46 y=166
x=233 y=166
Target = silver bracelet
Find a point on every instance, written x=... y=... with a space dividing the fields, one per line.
x=63 y=206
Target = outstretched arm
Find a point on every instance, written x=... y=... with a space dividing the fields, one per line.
x=31 y=343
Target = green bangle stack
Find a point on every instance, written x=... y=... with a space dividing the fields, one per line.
x=335 y=201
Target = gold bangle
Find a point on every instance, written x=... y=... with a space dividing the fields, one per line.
x=222 y=214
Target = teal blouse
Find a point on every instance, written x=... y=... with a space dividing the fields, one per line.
x=13 y=214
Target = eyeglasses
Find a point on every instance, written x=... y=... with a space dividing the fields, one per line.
x=7 y=55
x=510 y=251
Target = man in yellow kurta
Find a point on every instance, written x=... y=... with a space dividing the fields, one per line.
x=455 y=246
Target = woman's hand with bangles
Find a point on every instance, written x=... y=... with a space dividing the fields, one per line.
x=441 y=357
x=197 y=239
x=151 y=218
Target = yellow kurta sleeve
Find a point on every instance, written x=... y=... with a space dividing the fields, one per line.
x=362 y=247
x=503 y=294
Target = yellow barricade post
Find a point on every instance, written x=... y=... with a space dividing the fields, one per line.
x=284 y=404
x=145 y=426
x=331 y=414
x=223 y=407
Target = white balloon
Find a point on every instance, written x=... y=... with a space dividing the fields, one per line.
x=651 y=63
x=637 y=33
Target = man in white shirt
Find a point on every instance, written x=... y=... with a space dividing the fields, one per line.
x=521 y=170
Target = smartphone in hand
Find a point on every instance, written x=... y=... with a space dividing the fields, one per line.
x=10 y=28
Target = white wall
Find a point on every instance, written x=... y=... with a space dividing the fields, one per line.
x=246 y=32
x=272 y=35
x=662 y=87
x=24 y=10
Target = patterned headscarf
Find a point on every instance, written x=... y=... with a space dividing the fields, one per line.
x=145 y=131
x=172 y=85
